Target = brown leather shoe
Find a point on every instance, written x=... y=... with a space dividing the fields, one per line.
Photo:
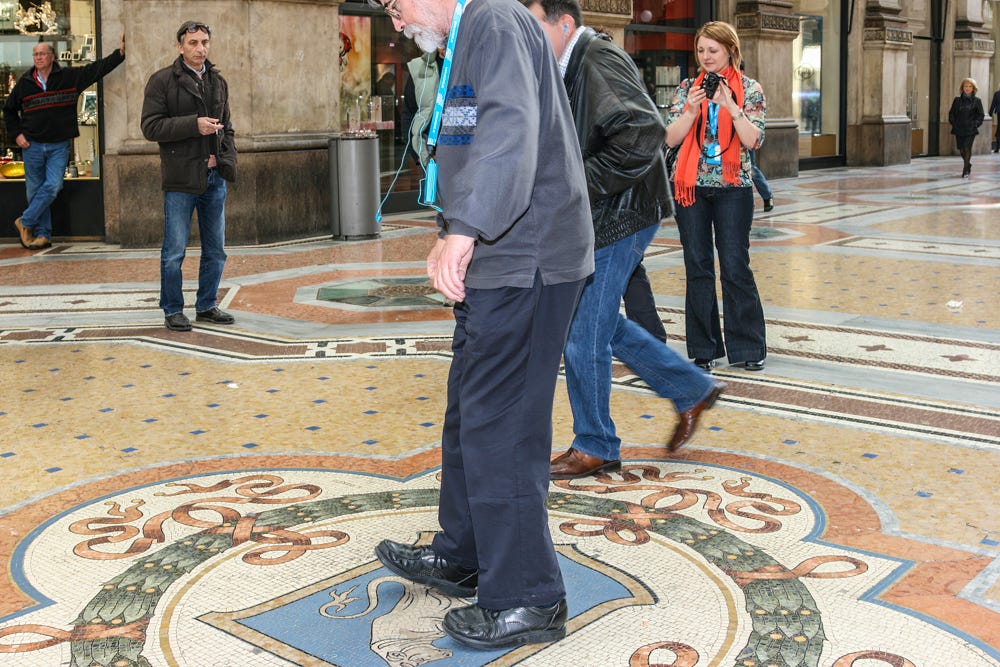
x=574 y=464
x=40 y=243
x=687 y=421
x=27 y=237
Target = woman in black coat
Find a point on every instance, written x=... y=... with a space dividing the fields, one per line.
x=965 y=116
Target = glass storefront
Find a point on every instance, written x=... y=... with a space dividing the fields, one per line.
x=373 y=77
x=660 y=40
x=70 y=26
x=816 y=86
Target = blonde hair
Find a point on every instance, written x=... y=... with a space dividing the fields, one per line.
x=969 y=79
x=724 y=34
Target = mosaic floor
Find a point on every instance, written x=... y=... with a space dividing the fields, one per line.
x=212 y=498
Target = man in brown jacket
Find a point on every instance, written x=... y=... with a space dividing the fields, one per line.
x=186 y=110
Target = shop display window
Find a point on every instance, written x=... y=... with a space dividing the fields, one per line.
x=373 y=82
x=70 y=27
x=816 y=87
x=660 y=40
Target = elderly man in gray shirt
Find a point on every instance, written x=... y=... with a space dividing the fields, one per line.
x=515 y=247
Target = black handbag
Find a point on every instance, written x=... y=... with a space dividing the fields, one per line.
x=670 y=158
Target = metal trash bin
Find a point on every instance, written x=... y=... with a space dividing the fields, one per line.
x=354 y=186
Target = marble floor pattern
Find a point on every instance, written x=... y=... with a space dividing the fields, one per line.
x=212 y=498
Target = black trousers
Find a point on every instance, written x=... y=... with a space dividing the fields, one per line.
x=640 y=304
x=497 y=440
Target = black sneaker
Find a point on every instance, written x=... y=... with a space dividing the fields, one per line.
x=422 y=566
x=215 y=316
x=502 y=628
x=178 y=322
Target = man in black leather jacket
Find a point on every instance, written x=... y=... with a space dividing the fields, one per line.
x=621 y=136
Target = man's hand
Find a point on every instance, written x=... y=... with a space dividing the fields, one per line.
x=22 y=141
x=447 y=262
x=208 y=125
x=121 y=45
x=433 y=258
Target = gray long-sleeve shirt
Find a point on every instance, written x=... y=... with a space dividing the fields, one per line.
x=510 y=173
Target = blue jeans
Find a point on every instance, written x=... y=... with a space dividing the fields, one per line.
x=759 y=180
x=44 y=168
x=178 y=207
x=599 y=331
x=725 y=213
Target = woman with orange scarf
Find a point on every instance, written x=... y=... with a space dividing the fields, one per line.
x=713 y=189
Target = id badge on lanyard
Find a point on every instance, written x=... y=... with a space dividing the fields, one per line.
x=713 y=155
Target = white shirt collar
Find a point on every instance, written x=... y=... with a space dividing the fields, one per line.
x=568 y=51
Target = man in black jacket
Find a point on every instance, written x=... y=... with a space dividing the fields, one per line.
x=621 y=135
x=40 y=114
x=186 y=110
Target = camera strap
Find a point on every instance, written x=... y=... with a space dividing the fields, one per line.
x=713 y=126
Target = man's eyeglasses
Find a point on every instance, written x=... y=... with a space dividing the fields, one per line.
x=193 y=27
x=390 y=9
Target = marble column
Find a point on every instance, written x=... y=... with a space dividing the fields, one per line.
x=767 y=30
x=610 y=15
x=280 y=60
x=878 y=128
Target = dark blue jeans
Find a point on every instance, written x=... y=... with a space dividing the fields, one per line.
x=759 y=180
x=497 y=440
x=178 y=207
x=721 y=215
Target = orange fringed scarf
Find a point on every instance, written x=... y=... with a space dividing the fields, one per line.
x=688 y=157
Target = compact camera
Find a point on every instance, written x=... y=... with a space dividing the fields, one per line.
x=710 y=84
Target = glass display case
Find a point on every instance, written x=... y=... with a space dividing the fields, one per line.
x=70 y=27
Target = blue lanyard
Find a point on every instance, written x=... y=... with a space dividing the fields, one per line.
x=435 y=127
x=429 y=191
x=713 y=119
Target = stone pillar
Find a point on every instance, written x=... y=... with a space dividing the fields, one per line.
x=973 y=52
x=879 y=130
x=767 y=30
x=610 y=15
x=280 y=60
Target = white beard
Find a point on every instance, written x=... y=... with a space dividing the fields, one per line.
x=427 y=39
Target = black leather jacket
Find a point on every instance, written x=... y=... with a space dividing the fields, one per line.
x=170 y=109
x=621 y=135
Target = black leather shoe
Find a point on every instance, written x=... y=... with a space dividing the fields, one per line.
x=502 y=628
x=178 y=322
x=757 y=365
x=705 y=364
x=768 y=205
x=422 y=566
x=215 y=316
